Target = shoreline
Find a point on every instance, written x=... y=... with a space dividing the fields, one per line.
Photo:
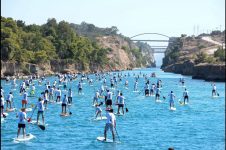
x=204 y=71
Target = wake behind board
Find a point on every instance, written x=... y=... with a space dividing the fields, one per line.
x=172 y=108
x=99 y=118
x=27 y=138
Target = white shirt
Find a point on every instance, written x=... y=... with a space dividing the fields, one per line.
x=40 y=106
x=65 y=100
x=185 y=93
x=110 y=118
x=109 y=95
x=58 y=92
x=121 y=100
x=171 y=96
x=22 y=116
x=70 y=93
x=9 y=97
x=2 y=101
x=25 y=96
x=33 y=88
x=97 y=94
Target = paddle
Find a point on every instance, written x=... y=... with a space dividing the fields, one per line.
x=70 y=113
x=126 y=108
x=41 y=126
x=29 y=119
x=117 y=134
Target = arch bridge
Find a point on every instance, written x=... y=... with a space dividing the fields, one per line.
x=158 y=48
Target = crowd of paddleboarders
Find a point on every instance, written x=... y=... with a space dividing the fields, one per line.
x=108 y=96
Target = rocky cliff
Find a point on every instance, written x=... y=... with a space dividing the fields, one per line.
x=196 y=56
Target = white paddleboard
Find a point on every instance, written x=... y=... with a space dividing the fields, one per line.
x=28 y=109
x=158 y=101
x=58 y=102
x=172 y=108
x=6 y=114
x=27 y=138
x=99 y=118
x=119 y=114
x=65 y=115
x=215 y=96
x=34 y=122
x=10 y=110
x=182 y=103
x=102 y=140
x=136 y=91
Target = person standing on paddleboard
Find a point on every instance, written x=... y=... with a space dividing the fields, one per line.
x=40 y=106
x=58 y=94
x=21 y=122
x=69 y=96
x=98 y=110
x=25 y=99
x=9 y=100
x=108 y=101
x=2 y=104
x=64 y=104
x=172 y=97
x=185 y=95
x=214 y=90
x=79 y=88
x=110 y=123
x=121 y=102
x=96 y=97
x=157 y=94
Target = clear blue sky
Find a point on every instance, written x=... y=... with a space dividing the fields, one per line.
x=170 y=17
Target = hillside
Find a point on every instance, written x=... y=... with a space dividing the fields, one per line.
x=62 y=47
x=202 y=56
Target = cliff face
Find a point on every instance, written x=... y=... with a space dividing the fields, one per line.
x=195 y=56
x=208 y=72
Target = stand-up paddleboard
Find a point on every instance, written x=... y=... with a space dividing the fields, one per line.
x=152 y=95
x=58 y=102
x=28 y=109
x=101 y=139
x=65 y=115
x=10 y=110
x=5 y=114
x=119 y=114
x=34 y=122
x=182 y=103
x=27 y=138
x=172 y=108
x=136 y=91
x=215 y=96
x=99 y=118
x=158 y=101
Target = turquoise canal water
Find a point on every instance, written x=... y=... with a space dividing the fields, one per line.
x=147 y=125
